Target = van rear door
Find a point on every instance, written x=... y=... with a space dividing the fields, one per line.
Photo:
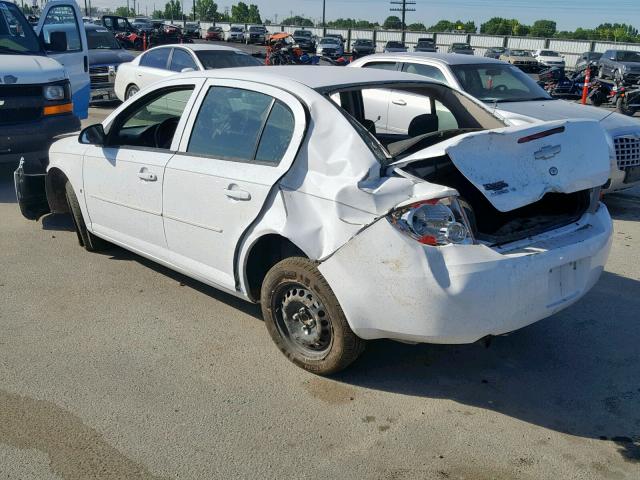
x=64 y=16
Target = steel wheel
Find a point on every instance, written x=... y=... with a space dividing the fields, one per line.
x=302 y=320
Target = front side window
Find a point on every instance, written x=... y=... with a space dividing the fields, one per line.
x=16 y=35
x=156 y=58
x=181 y=60
x=62 y=19
x=242 y=125
x=152 y=120
x=428 y=71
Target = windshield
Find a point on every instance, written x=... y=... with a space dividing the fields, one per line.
x=628 y=56
x=426 y=42
x=549 y=53
x=302 y=33
x=212 y=59
x=498 y=83
x=461 y=46
x=102 y=40
x=331 y=41
x=16 y=34
x=519 y=53
x=368 y=43
x=257 y=29
x=395 y=45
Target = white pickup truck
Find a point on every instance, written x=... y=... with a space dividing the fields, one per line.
x=44 y=86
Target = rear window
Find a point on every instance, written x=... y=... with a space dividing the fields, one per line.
x=212 y=59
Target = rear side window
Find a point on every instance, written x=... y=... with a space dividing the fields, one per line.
x=382 y=65
x=226 y=59
x=181 y=60
x=241 y=125
x=428 y=71
x=155 y=58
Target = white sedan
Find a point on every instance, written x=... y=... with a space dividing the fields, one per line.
x=166 y=60
x=273 y=185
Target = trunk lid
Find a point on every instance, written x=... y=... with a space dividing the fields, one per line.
x=516 y=166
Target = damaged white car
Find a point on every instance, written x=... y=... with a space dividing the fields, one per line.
x=273 y=185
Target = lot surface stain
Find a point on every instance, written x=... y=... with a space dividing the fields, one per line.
x=75 y=450
x=329 y=391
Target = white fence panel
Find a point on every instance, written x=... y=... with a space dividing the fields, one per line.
x=569 y=46
x=486 y=41
x=449 y=38
x=526 y=43
x=412 y=37
x=273 y=28
x=602 y=46
x=362 y=34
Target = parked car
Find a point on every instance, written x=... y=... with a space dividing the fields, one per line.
x=523 y=59
x=494 y=52
x=214 y=33
x=192 y=30
x=165 y=61
x=586 y=59
x=105 y=56
x=142 y=25
x=118 y=24
x=461 y=48
x=234 y=34
x=330 y=47
x=256 y=34
x=393 y=46
x=426 y=45
x=515 y=97
x=549 y=58
x=228 y=178
x=305 y=40
x=362 y=47
x=622 y=65
x=336 y=35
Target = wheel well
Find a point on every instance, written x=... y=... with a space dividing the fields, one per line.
x=126 y=90
x=264 y=254
x=56 y=194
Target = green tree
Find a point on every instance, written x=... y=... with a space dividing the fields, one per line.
x=207 y=10
x=416 y=27
x=157 y=14
x=124 y=12
x=240 y=13
x=254 y=15
x=393 y=23
x=504 y=26
x=543 y=28
x=298 y=21
x=173 y=10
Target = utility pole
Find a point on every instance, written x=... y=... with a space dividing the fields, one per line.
x=404 y=9
x=324 y=12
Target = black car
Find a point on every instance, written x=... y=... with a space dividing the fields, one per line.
x=105 y=56
x=362 y=47
x=587 y=58
x=494 y=52
x=192 y=30
x=426 y=45
x=305 y=40
x=461 y=48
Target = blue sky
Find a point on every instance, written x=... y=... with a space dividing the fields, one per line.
x=569 y=14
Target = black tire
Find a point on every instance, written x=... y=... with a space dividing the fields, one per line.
x=131 y=91
x=601 y=73
x=295 y=285
x=85 y=237
x=617 y=76
x=622 y=108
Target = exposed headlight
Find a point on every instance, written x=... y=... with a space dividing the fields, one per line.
x=54 y=92
x=436 y=222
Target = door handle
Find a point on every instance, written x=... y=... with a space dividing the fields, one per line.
x=237 y=194
x=399 y=101
x=147 y=176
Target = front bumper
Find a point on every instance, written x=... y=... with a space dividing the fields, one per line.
x=103 y=93
x=32 y=140
x=390 y=286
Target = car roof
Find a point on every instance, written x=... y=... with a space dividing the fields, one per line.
x=322 y=77
x=442 y=58
x=198 y=47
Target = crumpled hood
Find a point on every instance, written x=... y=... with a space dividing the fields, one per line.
x=549 y=110
x=109 y=57
x=31 y=69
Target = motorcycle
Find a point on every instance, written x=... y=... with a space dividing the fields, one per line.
x=625 y=99
x=558 y=84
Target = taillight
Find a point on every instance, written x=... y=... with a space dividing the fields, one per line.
x=435 y=222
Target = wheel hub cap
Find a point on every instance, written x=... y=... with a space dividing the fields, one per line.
x=304 y=318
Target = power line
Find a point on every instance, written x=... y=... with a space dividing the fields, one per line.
x=404 y=9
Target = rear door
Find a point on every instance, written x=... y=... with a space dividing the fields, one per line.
x=240 y=139
x=64 y=17
x=153 y=66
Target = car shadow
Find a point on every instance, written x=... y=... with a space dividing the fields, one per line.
x=577 y=372
x=623 y=206
x=58 y=221
x=120 y=254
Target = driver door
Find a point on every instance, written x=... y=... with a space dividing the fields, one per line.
x=123 y=180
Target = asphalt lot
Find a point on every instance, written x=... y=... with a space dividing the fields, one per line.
x=114 y=367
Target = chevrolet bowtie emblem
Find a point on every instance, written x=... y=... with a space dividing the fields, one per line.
x=547 y=152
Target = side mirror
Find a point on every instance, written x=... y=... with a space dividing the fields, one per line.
x=93 y=135
x=187 y=69
x=57 y=42
x=612 y=58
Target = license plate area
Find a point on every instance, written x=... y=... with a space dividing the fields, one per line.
x=563 y=283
